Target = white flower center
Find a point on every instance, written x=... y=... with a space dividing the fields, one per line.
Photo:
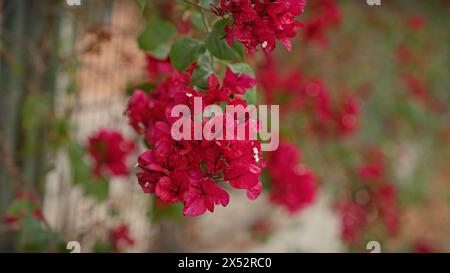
x=264 y=44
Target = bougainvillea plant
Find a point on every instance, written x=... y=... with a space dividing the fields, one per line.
x=192 y=171
x=109 y=151
x=198 y=173
x=261 y=23
x=364 y=121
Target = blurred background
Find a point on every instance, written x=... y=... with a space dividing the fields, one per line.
x=380 y=161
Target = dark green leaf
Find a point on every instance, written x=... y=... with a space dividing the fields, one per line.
x=20 y=206
x=168 y=211
x=97 y=187
x=217 y=45
x=202 y=72
x=206 y=3
x=156 y=38
x=197 y=20
x=35 y=236
x=103 y=247
x=185 y=51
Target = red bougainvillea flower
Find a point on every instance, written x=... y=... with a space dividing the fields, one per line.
x=385 y=198
x=353 y=220
x=327 y=9
x=405 y=55
x=120 y=237
x=423 y=247
x=347 y=118
x=315 y=31
x=202 y=195
x=293 y=186
x=192 y=172
x=10 y=220
x=373 y=169
x=232 y=84
x=325 y=14
x=382 y=195
x=416 y=22
x=237 y=83
x=419 y=91
x=416 y=86
x=138 y=111
x=156 y=68
x=109 y=150
x=261 y=23
x=312 y=96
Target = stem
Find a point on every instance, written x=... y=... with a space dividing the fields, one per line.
x=196 y=5
x=205 y=22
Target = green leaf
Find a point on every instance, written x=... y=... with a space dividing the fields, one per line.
x=156 y=38
x=217 y=45
x=20 y=206
x=35 y=111
x=206 y=3
x=185 y=51
x=35 y=236
x=202 y=72
x=97 y=187
x=103 y=247
x=159 y=212
x=243 y=68
x=197 y=20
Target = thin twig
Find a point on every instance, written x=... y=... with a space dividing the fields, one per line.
x=205 y=22
x=197 y=5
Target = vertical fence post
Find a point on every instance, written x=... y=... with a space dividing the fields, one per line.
x=29 y=32
x=11 y=86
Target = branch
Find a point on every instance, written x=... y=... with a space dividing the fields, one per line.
x=197 y=5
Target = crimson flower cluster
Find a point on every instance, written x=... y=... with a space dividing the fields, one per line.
x=325 y=14
x=341 y=118
x=420 y=92
x=313 y=97
x=408 y=58
x=381 y=200
x=423 y=247
x=293 y=185
x=261 y=23
x=109 y=150
x=353 y=220
x=416 y=22
x=157 y=68
x=193 y=172
x=120 y=237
